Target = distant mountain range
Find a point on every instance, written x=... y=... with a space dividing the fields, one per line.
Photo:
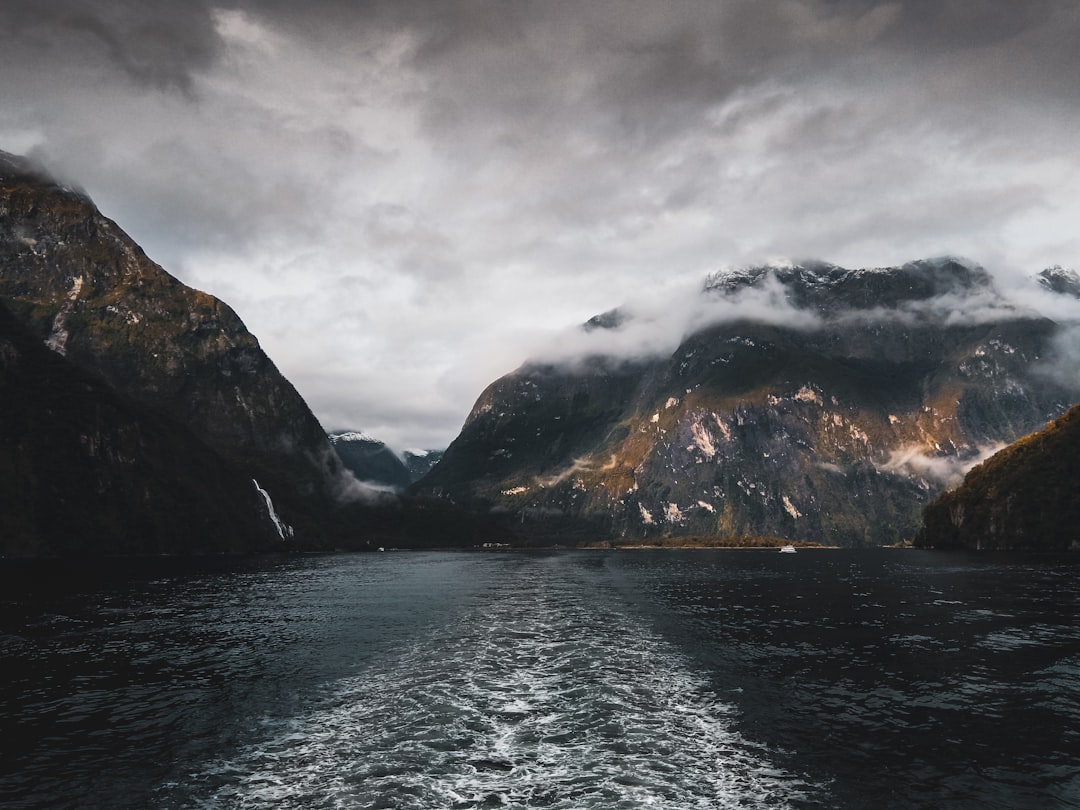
x=806 y=401
x=374 y=463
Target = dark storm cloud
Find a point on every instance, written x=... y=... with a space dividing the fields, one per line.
x=411 y=194
x=157 y=43
x=631 y=52
x=647 y=66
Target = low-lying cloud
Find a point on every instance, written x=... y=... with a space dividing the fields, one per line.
x=654 y=326
x=943 y=470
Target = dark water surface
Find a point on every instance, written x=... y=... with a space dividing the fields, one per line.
x=632 y=679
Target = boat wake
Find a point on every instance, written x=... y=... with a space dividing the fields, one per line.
x=542 y=692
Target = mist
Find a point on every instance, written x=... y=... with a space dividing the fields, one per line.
x=946 y=471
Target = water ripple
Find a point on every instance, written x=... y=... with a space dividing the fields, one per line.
x=542 y=695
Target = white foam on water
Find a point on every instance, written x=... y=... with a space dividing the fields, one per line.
x=543 y=694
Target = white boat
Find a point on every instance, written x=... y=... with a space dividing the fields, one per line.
x=788 y=549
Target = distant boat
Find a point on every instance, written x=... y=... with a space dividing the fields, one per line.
x=788 y=549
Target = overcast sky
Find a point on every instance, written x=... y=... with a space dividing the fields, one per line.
x=403 y=199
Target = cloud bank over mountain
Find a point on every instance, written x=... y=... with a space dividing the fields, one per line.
x=813 y=295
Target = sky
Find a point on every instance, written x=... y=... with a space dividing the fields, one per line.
x=405 y=199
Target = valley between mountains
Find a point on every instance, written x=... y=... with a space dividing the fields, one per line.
x=801 y=401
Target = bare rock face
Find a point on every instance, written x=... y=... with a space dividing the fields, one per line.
x=836 y=422
x=89 y=293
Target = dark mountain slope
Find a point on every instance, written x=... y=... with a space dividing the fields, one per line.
x=84 y=471
x=89 y=292
x=1025 y=497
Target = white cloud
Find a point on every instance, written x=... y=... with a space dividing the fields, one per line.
x=945 y=470
x=654 y=324
x=406 y=199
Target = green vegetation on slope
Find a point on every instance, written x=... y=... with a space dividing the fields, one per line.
x=1025 y=497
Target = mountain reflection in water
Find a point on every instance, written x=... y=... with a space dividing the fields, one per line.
x=664 y=679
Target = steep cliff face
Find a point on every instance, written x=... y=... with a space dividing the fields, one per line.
x=89 y=293
x=1025 y=497
x=83 y=471
x=834 y=419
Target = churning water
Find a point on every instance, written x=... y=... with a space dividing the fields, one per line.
x=693 y=679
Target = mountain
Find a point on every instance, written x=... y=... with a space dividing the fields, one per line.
x=78 y=283
x=374 y=463
x=370 y=460
x=806 y=401
x=1062 y=280
x=1027 y=496
x=85 y=471
x=420 y=462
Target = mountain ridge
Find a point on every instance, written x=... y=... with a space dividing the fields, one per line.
x=811 y=402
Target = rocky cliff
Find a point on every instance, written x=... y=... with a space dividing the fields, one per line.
x=85 y=471
x=1025 y=497
x=89 y=293
x=806 y=401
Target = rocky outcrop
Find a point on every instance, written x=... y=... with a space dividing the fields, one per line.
x=1026 y=497
x=824 y=404
x=88 y=292
x=84 y=471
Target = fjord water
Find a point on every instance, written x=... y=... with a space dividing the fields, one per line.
x=660 y=679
